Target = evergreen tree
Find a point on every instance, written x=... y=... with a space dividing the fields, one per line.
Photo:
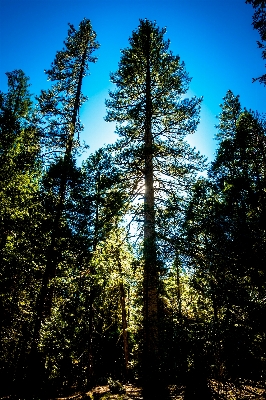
x=153 y=118
x=19 y=221
x=73 y=340
x=60 y=107
x=116 y=304
x=259 y=23
x=239 y=172
x=226 y=243
x=101 y=200
x=19 y=148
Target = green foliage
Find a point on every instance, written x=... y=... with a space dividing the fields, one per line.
x=171 y=116
x=115 y=386
x=226 y=242
x=259 y=23
x=19 y=148
x=60 y=107
x=61 y=103
x=19 y=220
x=83 y=297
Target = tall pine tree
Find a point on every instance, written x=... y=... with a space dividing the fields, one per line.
x=19 y=223
x=60 y=107
x=153 y=117
x=225 y=243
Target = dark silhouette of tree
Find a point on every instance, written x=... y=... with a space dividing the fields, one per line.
x=153 y=119
x=259 y=23
x=60 y=107
x=226 y=244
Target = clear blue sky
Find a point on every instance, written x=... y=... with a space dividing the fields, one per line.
x=214 y=38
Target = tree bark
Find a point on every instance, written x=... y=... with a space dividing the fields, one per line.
x=92 y=294
x=123 y=312
x=150 y=289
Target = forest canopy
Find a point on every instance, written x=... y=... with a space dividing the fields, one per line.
x=144 y=263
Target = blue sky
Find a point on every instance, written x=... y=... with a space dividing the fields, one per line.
x=214 y=38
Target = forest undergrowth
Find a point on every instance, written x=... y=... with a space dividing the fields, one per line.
x=220 y=391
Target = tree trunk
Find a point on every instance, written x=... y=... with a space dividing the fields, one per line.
x=124 y=313
x=90 y=359
x=124 y=325
x=92 y=294
x=178 y=286
x=150 y=289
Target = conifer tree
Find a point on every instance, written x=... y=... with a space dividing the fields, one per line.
x=60 y=107
x=19 y=147
x=259 y=23
x=153 y=118
x=19 y=223
x=225 y=240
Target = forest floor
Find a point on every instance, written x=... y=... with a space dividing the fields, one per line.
x=103 y=393
x=227 y=391
x=131 y=392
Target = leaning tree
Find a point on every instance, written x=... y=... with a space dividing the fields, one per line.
x=60 y=106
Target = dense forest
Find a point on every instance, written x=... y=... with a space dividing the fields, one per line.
x=144 y=263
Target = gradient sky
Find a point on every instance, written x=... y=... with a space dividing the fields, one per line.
x=214 y=38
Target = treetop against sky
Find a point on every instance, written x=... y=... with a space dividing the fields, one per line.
x=215 y=39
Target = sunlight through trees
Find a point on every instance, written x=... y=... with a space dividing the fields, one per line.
x=144 y=264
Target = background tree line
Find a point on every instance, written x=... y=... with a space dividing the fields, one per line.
x=134 y=265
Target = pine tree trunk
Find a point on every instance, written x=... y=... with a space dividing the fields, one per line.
x=150 y=290
x=123 y=312
x=178 y=286
x=92 y=294
x=124 y=325
x=90 y=359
